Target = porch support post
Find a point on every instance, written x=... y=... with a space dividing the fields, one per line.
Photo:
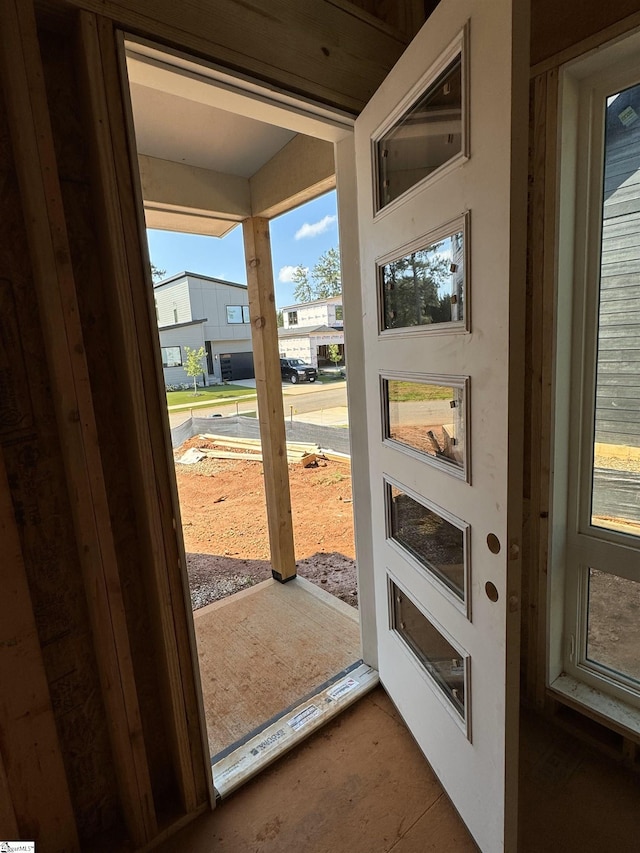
x=266 y=359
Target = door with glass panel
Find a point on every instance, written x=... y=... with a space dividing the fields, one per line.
x=441 y=172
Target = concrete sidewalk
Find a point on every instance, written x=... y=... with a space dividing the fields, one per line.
x=290 y=390
x=337 y=416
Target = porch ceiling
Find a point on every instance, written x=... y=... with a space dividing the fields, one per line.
x=175 y=128
x=210 y=157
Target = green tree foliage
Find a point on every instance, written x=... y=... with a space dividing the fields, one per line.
x=193 y=366
x=412 y=290
x=322 y=282
x=280 y=319
x=333 y=352
x=156 y=273
x=302 y=291
x=326 y=276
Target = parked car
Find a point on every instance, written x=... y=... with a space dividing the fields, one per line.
x=295 y=370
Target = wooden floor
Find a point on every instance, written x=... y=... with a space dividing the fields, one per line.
x=573 y=799
x=266 y=648
x=359 y=785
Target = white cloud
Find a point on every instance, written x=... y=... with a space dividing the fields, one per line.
x=315 y=228
x=286 y=274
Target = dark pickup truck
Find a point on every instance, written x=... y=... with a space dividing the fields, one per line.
x=295 y=370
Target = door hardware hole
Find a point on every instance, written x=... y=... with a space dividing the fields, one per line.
x=492 y=591
x=493 y=543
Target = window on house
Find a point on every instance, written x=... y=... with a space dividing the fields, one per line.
x=292 y=316
x=171 y=357
x=598 y=635
x=238 y=314
x=175 y=315
x=339 y=312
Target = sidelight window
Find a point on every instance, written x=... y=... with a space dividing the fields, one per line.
x=598 y=402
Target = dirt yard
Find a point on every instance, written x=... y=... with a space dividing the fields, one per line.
x=225 y=525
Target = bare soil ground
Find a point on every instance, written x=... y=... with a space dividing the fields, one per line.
x=225 y=525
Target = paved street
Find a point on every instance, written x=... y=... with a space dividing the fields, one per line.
x=321 y=403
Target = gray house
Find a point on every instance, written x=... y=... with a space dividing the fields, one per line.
x=199 y=311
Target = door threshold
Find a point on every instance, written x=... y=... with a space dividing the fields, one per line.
x=247 y=757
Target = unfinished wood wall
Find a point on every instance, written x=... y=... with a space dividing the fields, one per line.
x=100 y=732
x=318 y=48
x=99 y=727
x=104 y=594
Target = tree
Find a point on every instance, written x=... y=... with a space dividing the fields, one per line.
x=193 y=367
x=156 y=273
x=333 y=352
x=412 y=289
x=303 y=291
x=324 y=280
x=326 y=275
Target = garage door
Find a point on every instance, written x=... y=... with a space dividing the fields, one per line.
x=236 y=365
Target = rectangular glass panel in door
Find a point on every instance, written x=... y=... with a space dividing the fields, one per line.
x=613 y=623
x=425 y=287
x=616 y=453
x=428 y=418
x=427 y=136
x=444 y=663
x=437 y=544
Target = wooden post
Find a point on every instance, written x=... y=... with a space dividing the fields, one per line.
x=266 y=359
x=54 y=283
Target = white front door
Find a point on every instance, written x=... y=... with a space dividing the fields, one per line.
x=441 y=176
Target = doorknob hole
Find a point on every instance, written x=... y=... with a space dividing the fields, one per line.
x=492 y=591
x=493 y=543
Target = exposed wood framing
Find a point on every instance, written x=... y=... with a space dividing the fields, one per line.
x=36 y=166
x=547 y=325
x=560 y=33
x=540 y=343
x=309 y=46
x=266 y=359
x=34 y=795
x=125 y=266
x=403 y=17
x=8 y=820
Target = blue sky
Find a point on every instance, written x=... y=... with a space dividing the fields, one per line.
x=297 y=237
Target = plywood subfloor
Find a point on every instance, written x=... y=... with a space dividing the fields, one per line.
x=359 y=785
x=264 y=649
x=573 y=799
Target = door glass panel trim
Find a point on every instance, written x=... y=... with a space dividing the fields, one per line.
x=458 y=47
x=459 y=280
x=459 y=708
x=426 y=569
x=460 y=440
